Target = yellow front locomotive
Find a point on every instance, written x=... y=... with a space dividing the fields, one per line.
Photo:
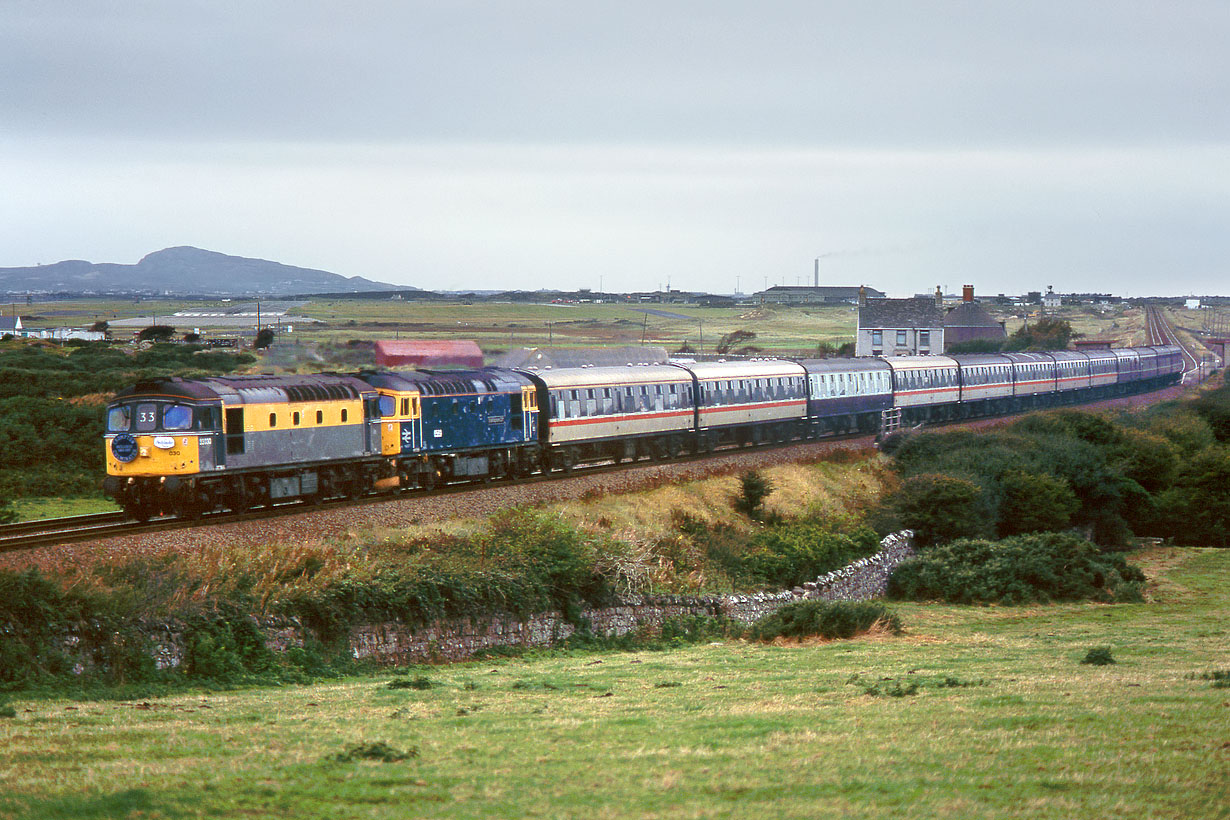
x=185 y=446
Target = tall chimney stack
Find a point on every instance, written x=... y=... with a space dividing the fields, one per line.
x=817 y=271
x=862 y=296
x=967 y=293
x=939 y=296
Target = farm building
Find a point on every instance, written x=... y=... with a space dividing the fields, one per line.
x=428 y=353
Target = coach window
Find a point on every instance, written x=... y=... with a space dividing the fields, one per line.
x=294 y=419
x=119 y=418
x=320 y=416
x=343 y=415
x=273 y=419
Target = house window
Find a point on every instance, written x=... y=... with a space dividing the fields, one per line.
x=924 y=338
x=900 y=338
x=877 y=337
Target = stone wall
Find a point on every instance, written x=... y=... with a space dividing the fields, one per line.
x=397 y=643
x=451 y=640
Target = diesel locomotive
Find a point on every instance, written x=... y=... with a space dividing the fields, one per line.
x=191 y=446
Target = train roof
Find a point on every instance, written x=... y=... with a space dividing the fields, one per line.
x=747 y=369
x=566 y=377
x=445 y=382
x=978 y=359
x=866 y=364
x=1026 y=358
x=251 y=389
x=919 y=362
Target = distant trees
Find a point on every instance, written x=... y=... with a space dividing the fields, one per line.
x=1045 y=334
x=156 y=333
x=731 y=341
x=264 y=338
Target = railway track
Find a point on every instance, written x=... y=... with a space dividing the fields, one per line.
x=54 y=531
x=1160 y=332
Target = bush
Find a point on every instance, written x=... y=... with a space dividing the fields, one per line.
x=939 y=508
x=825 y=619
x=753 y=490
x=1022 y=569
x=791 y=554
x=1099 y=656
x=1032 y=502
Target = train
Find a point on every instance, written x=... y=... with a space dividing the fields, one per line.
x=187 y=447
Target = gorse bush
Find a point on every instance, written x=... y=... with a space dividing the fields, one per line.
x=1021 y=569
x=525 y=562
x=1160 y=472
x=825 y=619
x=791 y=554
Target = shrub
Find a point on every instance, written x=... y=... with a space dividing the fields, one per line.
x=1017 y=570
x=1099 y=656
x=791 y=554
x=754 y=488
x=824 y=619
x=1031 y=502
x=939 y=508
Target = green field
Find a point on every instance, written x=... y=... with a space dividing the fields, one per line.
x=974 y=712
x=498 y=326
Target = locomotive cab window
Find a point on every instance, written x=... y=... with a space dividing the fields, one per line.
x=388 y=406
x=176 y=417
x=119 y=418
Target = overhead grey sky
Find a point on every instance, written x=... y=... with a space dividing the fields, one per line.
x=629 y=144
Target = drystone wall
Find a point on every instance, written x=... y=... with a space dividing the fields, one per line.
x=451 y=640
x=397 y=643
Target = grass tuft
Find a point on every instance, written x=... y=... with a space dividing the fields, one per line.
x=1099 y=656
x=378 y=751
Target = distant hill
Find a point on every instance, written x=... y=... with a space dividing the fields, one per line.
x=184 y=271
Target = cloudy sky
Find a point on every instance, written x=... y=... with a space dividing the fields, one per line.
x=629 y=144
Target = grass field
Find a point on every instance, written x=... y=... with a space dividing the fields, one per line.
x=975 y=712
x=36 y=509
x=499 y=326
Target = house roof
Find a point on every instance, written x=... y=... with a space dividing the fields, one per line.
x=10 y=323
x=970 y=314
x=900 y=313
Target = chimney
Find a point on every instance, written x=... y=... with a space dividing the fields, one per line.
x=939 y=297
x=817 y=271
x=967 y=293
x=862 y=296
